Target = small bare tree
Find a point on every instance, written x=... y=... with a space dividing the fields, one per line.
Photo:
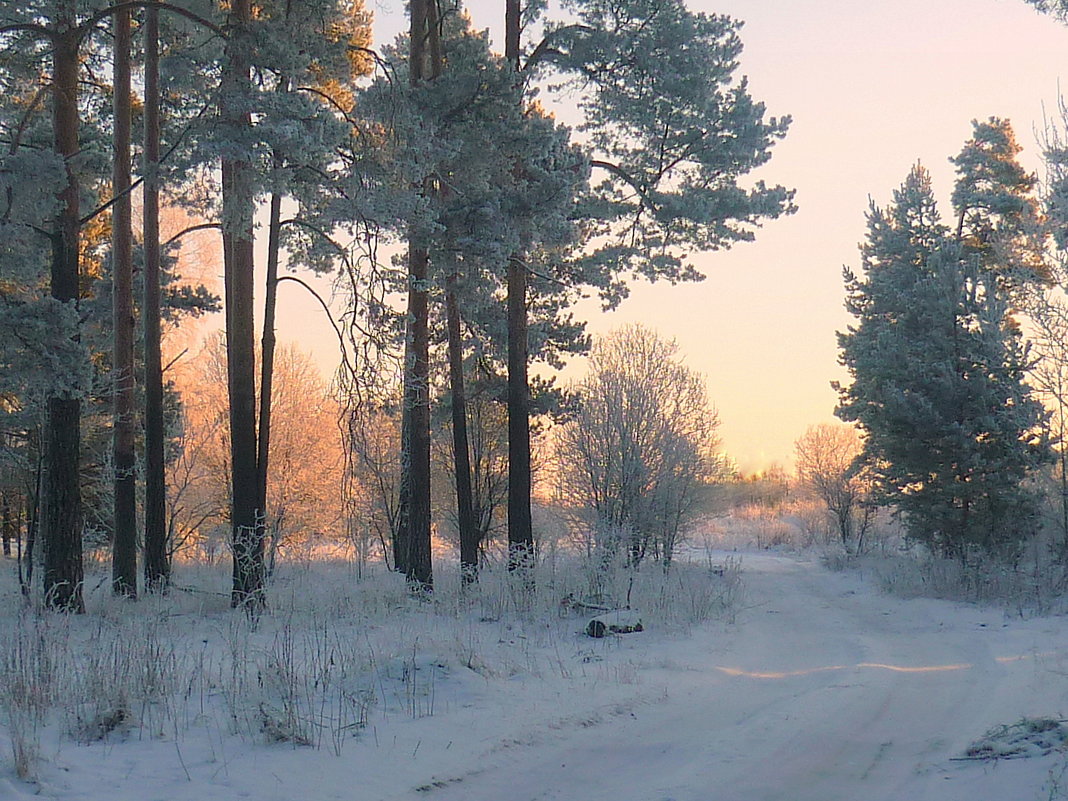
x=195 y=502
x=304 y=498
x=1046 y=308
x=372 y=435
x=487 y=429
x=827 y=467
x=640 y=453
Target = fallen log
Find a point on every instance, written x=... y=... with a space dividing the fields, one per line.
x=621 y=621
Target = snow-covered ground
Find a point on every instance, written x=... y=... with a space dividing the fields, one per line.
x=822 y=688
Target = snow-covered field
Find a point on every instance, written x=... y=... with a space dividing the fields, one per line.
x=808 y=685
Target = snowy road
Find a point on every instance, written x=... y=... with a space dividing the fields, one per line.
x=824 y=690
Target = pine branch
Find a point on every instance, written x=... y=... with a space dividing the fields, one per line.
x=191 y=229
x=29 y=27
x=104 y=13
x=329 y=316
x=545 y=47
x=135 y=184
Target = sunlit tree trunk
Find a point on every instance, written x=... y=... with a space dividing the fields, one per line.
x=415 y=483
x=520 y=529
x=465 y=516
x=124 y=543
x=157 y=563
x=238 y=210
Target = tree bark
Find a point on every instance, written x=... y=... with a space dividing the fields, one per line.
x=267 y=347
x=418 y=568
x=465 y=516
x=8 y=522
x=415 y=480
x=124 y=543
x=520 y=528
x=238 y=211
x=62 y=508
x=157 y=562
x=512 y=31
x=28 y=555
x=404 y=499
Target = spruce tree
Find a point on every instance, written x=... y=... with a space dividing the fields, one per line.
x=938 y=387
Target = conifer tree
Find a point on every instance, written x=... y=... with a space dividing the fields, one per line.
x=998 y=218
x=284 y=74
x=517 y=211
x=938 y=386
x=156 y=562
x=59 y=29
x=124 y=534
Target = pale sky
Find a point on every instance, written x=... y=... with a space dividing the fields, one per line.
x=872 y=87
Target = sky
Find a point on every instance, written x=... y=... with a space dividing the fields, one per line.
x=873 y=87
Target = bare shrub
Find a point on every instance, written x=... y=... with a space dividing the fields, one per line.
x=1031 y=583
x=29 y=682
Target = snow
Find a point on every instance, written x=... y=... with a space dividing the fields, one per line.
x=821 y=688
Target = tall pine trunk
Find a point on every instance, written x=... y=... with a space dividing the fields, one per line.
x=415 y=480
x=124 y=543
x=404 y=499
x=465 y=515
x=157 y=563
x=62 y=507
x=9 y=521
x=520 y=528
x=238 y=211
x=417 y=561
x=267 y=348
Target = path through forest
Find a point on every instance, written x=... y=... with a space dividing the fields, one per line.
x=824 y=690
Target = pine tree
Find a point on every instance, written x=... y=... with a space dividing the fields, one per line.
x=284 y=75
x=511 y=213
x=57 y=25
x=670 y=133
x=124 y=535
x=997 y=211
x=938 y=386
x=473 y=173
x=156 y=562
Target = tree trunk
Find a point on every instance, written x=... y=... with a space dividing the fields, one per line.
x=417 y=565
x=62 y=508
x=33 y=526
x=416 y=458
x=157 y=562
x=465 y=516
x=512 y=30
x=404 y=499
x=7 y=523
x=1062 y=456
x=238 y=211
x=124 y=543
x=263 y=448
x=520 y=529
